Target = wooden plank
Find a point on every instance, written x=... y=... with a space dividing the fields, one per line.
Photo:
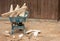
x=43 y=9
x=0 y=7
x=39 y=9
x=59 y=10
x=33 y=8
x=30 y=6
x=49 y=9
x=52 y=9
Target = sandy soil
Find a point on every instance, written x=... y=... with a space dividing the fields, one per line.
x=50 y=31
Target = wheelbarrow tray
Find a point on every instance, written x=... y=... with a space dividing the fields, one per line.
x=17 y=19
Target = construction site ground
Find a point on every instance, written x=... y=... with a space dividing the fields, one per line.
x=50 y=30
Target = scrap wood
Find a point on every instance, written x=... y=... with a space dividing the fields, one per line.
x=12 y=14
x=22 y=10
x=35 y=32
x=17 y=8
x=16 y=12
x=6 y=33
x=29 y=31
x=22 y=14
x=13 y=36
x=8 y=13
x=11 y=8
x=21 y=35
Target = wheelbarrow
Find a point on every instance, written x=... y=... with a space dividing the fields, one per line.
x=17 y=22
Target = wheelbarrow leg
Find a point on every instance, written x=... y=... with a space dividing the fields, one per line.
x=24 y=30
x=12 y=29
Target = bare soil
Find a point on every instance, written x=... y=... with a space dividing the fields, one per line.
x=50 y=31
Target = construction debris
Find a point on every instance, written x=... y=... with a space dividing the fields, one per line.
x=13 y=36
x=17 y=12
x=17 y=7
x=11 y=8
x=6 y=33
x=35 y=32
x=29 y=31
x=20 y=36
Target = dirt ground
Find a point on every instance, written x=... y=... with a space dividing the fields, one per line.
x=50 y=31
